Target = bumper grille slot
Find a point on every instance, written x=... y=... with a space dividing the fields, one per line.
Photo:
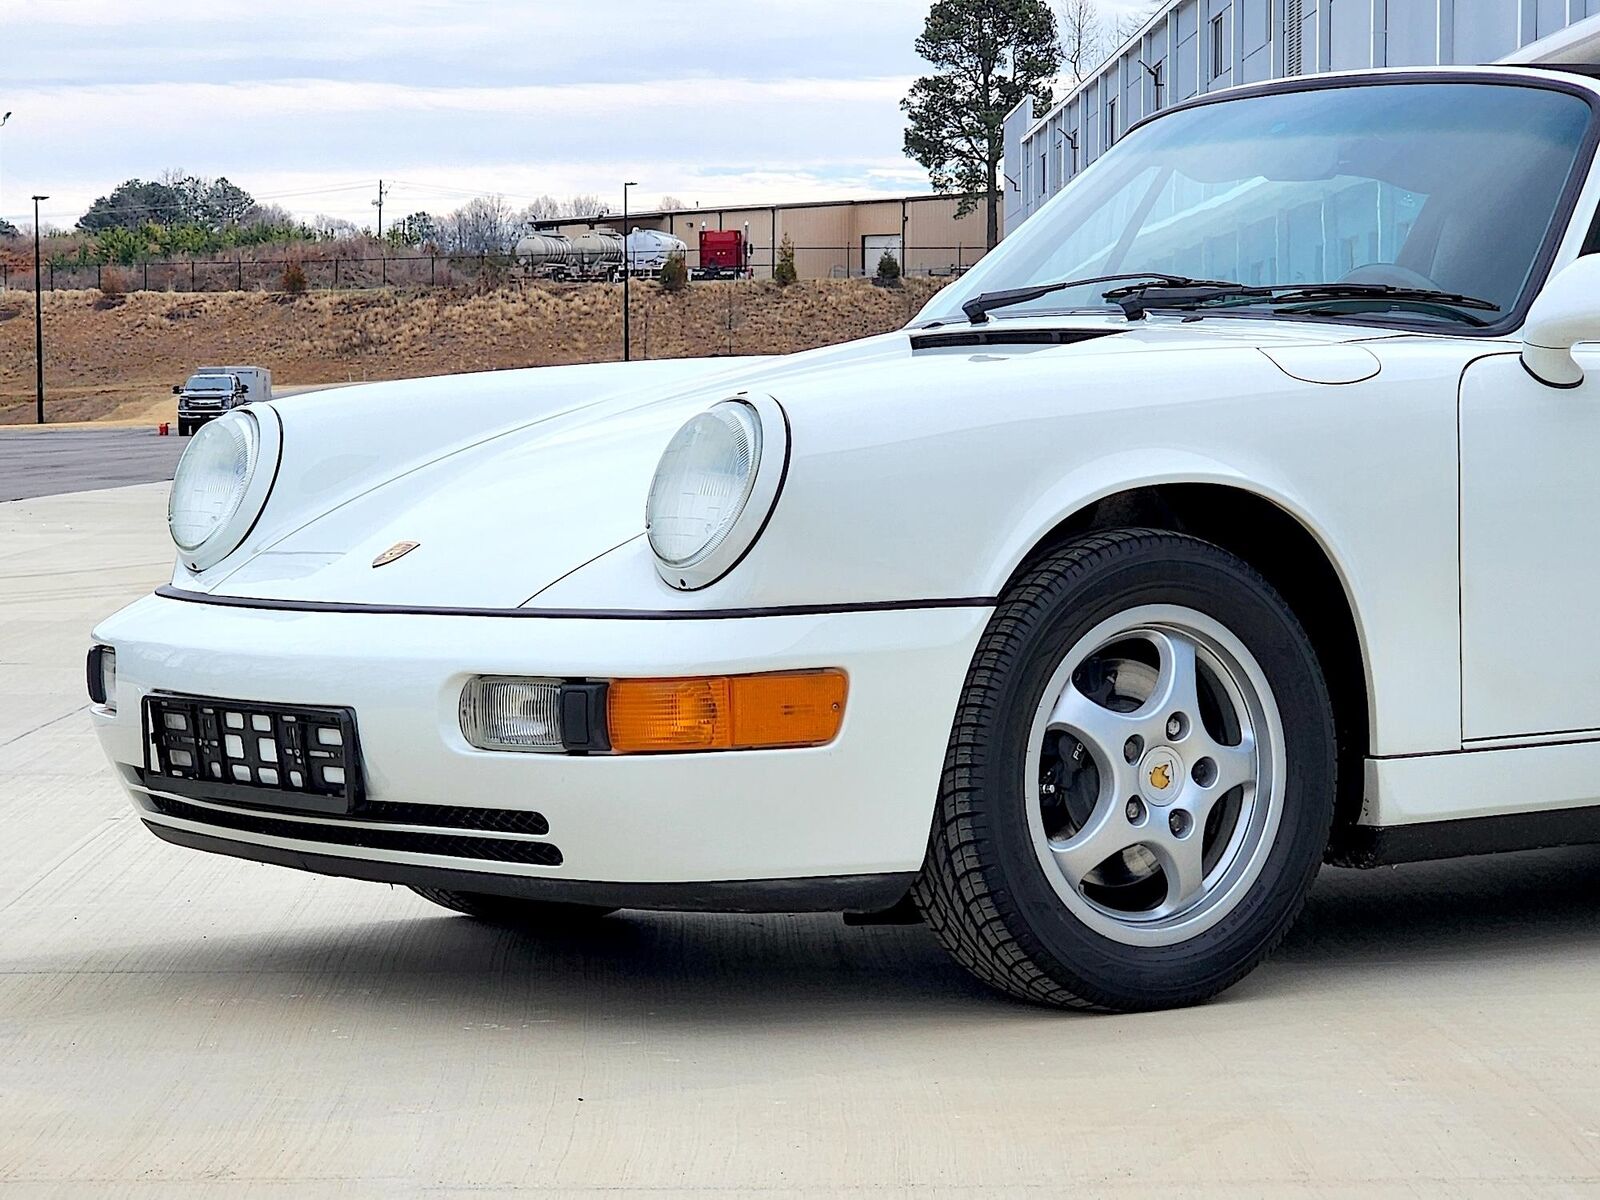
x=454 y=816
x=370 y=834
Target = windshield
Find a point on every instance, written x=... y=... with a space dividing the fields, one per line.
x=209 y=383
x=1446 y=186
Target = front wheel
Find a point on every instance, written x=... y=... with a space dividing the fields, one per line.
x=1140 y=780
x=509 y=910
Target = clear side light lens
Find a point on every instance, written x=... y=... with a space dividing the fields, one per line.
x=500 y=713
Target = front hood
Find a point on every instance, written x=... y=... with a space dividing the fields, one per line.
x=508 y=481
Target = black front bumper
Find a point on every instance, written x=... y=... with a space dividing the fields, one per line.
x=838 y=893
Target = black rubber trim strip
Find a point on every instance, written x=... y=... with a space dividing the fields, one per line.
x=1388 y=845
x=1542 y=381
x=168 y=592
x=831 y=893
x=783 y=479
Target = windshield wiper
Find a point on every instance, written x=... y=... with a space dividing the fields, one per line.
x=1137 y=299
x=979 y=307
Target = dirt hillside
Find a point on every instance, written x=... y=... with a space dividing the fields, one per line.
x=117 y=359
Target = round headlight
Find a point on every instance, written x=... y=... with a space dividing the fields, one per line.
x=714 y=488
x=217 y=491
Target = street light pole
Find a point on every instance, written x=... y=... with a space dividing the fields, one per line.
x=627 y=275
x=3 y=119
x=38 y=319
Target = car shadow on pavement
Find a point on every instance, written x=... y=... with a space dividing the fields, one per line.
x=805 y=972
x=1485 y=909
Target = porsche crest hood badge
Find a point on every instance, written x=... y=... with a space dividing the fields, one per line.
x=398 y=550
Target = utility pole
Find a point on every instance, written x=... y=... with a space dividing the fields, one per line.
x=627 y=274
x=38 y=318
x=378 y=204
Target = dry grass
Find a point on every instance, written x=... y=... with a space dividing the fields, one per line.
x=121 y=362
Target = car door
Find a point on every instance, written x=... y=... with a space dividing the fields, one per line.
x=1530 y=551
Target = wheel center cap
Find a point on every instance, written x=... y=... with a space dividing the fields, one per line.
x=1160 y=776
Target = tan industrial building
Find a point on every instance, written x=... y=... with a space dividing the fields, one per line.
x=831 y=238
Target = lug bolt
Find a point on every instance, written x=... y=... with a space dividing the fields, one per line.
x=1177 y=726
x=1178 y=822
x=1132 y=748
x=1135 y=811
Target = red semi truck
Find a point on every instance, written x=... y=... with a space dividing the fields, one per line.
x=724 y=254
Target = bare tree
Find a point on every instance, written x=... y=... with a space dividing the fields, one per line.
x=1088 y=38
x=483 y=225
x=671 y=203
x=1129 y=24
x=331 y=228
x=1081 y=36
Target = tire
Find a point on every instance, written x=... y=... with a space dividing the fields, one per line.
x=1012 y=885
x=509 y=910
x=185 y=429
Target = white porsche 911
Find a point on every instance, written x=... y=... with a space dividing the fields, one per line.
x=1234 y=515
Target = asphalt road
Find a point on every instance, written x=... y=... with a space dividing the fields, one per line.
x=48 y=462
x=175 y=1024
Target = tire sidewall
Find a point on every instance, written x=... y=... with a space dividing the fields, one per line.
x=1169 y=570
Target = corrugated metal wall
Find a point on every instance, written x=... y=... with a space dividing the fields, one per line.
x=1195 y=46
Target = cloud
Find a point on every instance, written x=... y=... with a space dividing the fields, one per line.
x=291 y=139
x=311 y=102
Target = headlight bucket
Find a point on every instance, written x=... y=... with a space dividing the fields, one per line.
x=715 y=488
x=221 y=485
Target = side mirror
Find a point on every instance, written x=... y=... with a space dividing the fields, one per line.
x=1567 y=312
x=177 y=389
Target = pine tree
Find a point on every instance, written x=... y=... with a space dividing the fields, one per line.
x=987 y=55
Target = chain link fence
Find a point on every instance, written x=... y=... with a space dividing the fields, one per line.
x=344 y=272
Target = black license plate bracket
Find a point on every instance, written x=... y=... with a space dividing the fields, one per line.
x=299 y=757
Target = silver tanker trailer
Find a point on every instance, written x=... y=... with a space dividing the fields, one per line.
x=595 y=254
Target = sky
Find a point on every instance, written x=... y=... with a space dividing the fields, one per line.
x=308 y=103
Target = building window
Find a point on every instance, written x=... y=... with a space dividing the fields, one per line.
x=1044 y=180
x=1111 y=120
x=1217 y=57
x=1271 y=4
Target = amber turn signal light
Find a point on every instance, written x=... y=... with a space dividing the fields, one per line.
x=725 y=712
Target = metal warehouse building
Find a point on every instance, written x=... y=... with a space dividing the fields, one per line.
x=1193 y=46
x=832 y=239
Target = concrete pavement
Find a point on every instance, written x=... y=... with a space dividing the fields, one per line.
x=174 y=1024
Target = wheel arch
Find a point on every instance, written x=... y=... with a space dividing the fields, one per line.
x=1288 y=552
